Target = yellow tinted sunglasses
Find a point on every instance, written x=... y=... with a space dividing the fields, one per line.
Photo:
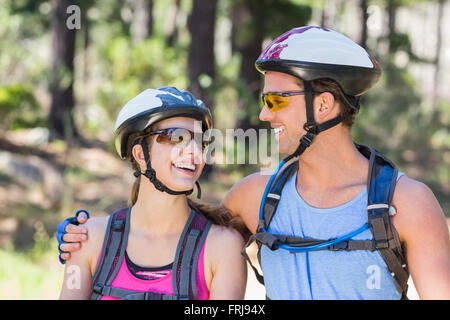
x=275 y=101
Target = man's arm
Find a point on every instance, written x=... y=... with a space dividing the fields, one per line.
x=244 y=198
x=243 y=201
x=422 y=227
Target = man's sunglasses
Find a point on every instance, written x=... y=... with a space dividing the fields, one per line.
x=178 y=137
x=275 y=101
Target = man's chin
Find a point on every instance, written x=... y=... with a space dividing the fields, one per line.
x=286 y=150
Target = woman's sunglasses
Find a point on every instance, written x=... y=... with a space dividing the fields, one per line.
x=275 y=101
x=178 y=137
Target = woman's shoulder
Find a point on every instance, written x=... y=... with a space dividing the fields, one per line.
x=221 y=238
x=96 y=227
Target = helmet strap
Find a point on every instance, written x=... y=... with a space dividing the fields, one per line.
x=311 y=127
x=150 y=173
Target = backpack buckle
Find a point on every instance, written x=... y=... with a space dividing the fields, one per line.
x=118 y=225
x=339 y=246
x=98 y=288
x=380 y=244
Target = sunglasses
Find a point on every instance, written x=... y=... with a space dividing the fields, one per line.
x=178 y=137
x=276 y=101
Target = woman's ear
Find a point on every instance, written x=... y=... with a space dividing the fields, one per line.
x=138 y=154
x=325 y=105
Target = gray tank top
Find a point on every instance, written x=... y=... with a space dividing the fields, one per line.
x=324 y=274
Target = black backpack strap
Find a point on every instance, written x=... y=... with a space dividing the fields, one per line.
x=244 y=253
x=113 y=250
x=204 y=232
x=123 y=294
x=273 y=196
x=270 y=205
x=184 y=269
x=381 y=185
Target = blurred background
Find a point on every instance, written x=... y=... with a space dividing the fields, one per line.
x=67 y=70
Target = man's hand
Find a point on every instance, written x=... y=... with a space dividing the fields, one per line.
x=70 y=234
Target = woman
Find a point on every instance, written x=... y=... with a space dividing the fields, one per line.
x=162 y=246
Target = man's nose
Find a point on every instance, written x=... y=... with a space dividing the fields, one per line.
x=266 y=114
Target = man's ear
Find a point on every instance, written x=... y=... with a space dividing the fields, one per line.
x=324 y=107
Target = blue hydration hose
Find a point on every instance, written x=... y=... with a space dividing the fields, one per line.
x=325 y=244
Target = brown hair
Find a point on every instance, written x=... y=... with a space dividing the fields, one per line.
x=135 y=188
x=218 y=214
x=348 y=111
x=221 y=216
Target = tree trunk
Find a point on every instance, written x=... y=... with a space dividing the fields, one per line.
x=328 y=14
x=86 y=43
x=437 y=60
x=247 y=38
x=364 y=16
x=62 y=73
x=142 y=26
x=392 y=13
x=173 y=32
x=201 y=61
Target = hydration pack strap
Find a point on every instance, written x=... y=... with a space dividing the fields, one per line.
x=381 y=186
x=274 y=195
x=183 y=271
x=114 y=245
x=123 y=294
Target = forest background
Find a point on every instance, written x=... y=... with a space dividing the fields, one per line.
x=69 y=66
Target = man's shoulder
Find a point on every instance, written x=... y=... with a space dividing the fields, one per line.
x=417 y=207
x=251 y=186
x=244 y=198
x=254 y=181
x=409 y=191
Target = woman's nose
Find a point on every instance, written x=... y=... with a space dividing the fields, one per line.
x=195 y=149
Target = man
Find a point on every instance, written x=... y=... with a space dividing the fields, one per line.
x=314 y=78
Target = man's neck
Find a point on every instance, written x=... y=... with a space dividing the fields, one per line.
x=332 y=161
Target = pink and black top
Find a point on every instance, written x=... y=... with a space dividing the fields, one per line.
x=117 y=277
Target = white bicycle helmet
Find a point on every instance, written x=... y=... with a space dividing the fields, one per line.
x=153 y=105
x=312 y=53
x=149 y=107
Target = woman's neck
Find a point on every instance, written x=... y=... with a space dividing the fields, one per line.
x=158 y=212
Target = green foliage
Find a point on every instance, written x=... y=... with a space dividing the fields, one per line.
x=19 y=108
x=134 y=68
x=35 y=274
x=284 y=15
x=396 y=120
